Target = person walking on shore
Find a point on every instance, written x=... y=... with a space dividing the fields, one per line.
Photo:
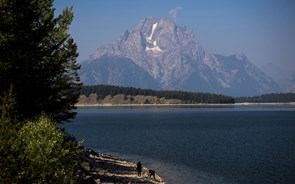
x=139 y=168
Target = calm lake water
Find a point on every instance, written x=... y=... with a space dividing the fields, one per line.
x=230 y=144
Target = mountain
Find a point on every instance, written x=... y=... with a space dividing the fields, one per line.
x=159 y=54
x=291 y=86
x=116 y=71
x=283 y=74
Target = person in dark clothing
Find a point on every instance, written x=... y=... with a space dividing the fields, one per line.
x=139 y=168
x=152 y=173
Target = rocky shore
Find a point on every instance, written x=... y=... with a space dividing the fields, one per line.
x=101 y=168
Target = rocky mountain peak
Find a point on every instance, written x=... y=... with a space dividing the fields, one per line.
x=241 y=56
x=145 y=25
x=173 y=57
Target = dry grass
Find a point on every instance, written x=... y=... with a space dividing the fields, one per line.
x=124 y=100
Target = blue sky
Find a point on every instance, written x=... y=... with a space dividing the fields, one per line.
x=264 y=30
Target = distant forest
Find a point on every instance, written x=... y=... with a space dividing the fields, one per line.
x=268 y=98
x=186 y=97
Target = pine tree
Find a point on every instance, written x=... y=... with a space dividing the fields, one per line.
x=38 y=57
x=9 y=127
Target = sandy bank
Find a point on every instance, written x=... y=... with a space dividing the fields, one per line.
x=182 y=105
x=147 y=105
x=101 y=168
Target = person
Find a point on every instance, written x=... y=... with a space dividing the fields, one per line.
x=139 y=168
x=152 y=173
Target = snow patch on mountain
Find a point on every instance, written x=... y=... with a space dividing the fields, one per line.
x=149 y=38
x=155 y=47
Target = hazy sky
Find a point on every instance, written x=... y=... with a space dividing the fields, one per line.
x=264 y=30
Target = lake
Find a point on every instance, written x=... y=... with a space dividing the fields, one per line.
x=197 y=144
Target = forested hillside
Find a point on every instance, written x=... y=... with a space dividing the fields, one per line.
x=268 y=98
x=103 y=91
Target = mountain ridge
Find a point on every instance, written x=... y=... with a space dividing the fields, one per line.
x=174 y=59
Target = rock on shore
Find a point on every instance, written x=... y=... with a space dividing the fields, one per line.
x=101 y=168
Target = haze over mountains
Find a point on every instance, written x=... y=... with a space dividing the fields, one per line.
x=284 y=76
x=158 y=54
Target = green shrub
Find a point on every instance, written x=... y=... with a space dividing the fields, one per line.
x=45 y=156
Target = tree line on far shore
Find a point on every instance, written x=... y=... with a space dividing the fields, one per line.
x=268 y=98
x=186 y=97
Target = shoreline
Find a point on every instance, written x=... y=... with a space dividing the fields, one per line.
x=180 y=105
x=103 y=168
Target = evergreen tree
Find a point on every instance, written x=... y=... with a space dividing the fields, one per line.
x=8 y=132
x=38 y=57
